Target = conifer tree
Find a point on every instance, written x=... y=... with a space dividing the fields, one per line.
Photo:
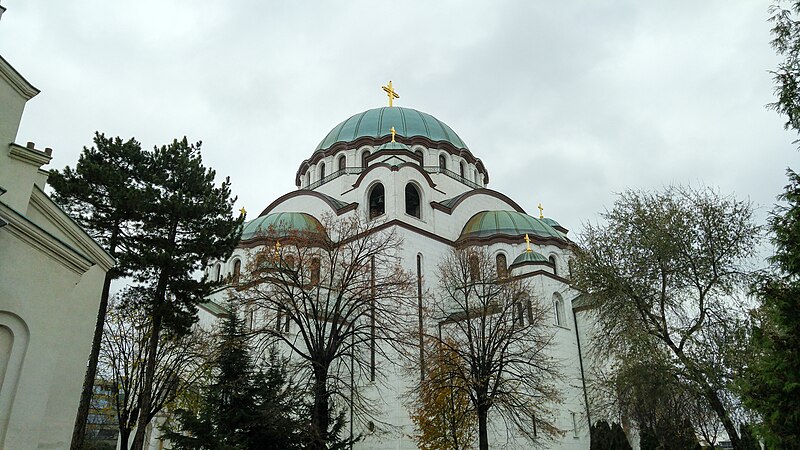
x=188 y=222
x=103 y=194
x=244 y=406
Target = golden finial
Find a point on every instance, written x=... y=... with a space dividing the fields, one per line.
x=390 y=92
x=541 y=211
x=243 y=211
x=277 y=249
x=528 y=241
x=393 y=133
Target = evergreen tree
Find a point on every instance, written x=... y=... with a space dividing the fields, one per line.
x=188 y=223
x=244 y=407
x=608 y=437
x=103 y=194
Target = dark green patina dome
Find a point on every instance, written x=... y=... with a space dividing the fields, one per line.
x=282 y=222
x=530 y=257
x=378 y=122
x=509 y=223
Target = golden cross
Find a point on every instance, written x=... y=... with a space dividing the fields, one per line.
x=277 y=248
x=243 y=211
x=541 y=211
x=390 y=92
x=393 y=133
x=528 y=241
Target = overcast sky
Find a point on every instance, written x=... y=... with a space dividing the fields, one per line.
x=566 y=104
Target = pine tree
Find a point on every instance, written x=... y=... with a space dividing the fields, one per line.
x=188 y=223
x=244 y=407
x=103 y=194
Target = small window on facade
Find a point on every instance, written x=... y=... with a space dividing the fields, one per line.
x=237 y=269
x=529 y=310
x=570 y=266
x=342 y=162
x=552 y=260
x=442 y=162
x=558 y=311
x=321 y=170
x=535 y=430
x=314 y=271
x=308 y=178
x=412 y=201
x=502 y=266
x=474 y=268
x=421 y=157
x=519 y=314
x=574 y=425
x=376 y=201
x=364 y=157
x=218 y=272
x=462 y=170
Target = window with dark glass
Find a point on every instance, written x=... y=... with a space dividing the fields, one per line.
x=412 y=201
x=442 y=162
x=552 y=260
x=376 y=201
x=474 y=268
x=462 y=170
x=314 y=271
x=321 y=170
x=342 y=162
x=502 y=267
x=421 y=157
x=237 y=269
x=364 y=157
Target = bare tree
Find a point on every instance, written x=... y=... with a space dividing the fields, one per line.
x=667 y=273
x=123 y=355
x=338 y=298
x=501 y=338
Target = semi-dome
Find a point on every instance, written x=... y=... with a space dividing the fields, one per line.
x=529 y=257
x=282 y=222
x=378 y=122
x=509 y=223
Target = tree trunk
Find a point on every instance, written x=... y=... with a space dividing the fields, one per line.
x=149 y=375
x=483 y=433
x=724 y=417
x=79 y=430
x=124 y=435
x=320 y=414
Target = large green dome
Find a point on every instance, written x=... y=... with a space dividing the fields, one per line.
x=509 y=223
x=281 y=222
x=378 y=122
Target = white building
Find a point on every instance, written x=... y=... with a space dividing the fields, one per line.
x=51 y=277
x=427 y=184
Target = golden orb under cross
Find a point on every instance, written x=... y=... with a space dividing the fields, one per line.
x=390 y=92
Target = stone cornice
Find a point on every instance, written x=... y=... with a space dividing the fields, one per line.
x=484 y=191
x=28 y=155
x=17 y=81
x=301 y=192
x=40 y=239
x=66 y=225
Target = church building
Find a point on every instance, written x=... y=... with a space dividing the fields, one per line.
x=413 y=172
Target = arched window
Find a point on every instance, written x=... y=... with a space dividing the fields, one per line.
x=308 y=178
x=442 y=162
x=570 y=266
x=314 y=271
x=462 y=169
x=342 y=162
x=519 y=314
x=421 y=156
x=364 y=157
x=237 y=269
x=412 y=201
x=558 y=311
x=552 y=260
x=376 y=201
x=321 y=170
x=218 y=272
x=474 y=268
x=502 y=265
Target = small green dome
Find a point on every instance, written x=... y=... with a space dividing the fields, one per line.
x=530 y=257
x=378 y=122
x=280 y=222
x=393 y=146
x=509 y=223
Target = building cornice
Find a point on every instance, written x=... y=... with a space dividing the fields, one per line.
x=17 y=81
x=28 y=155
